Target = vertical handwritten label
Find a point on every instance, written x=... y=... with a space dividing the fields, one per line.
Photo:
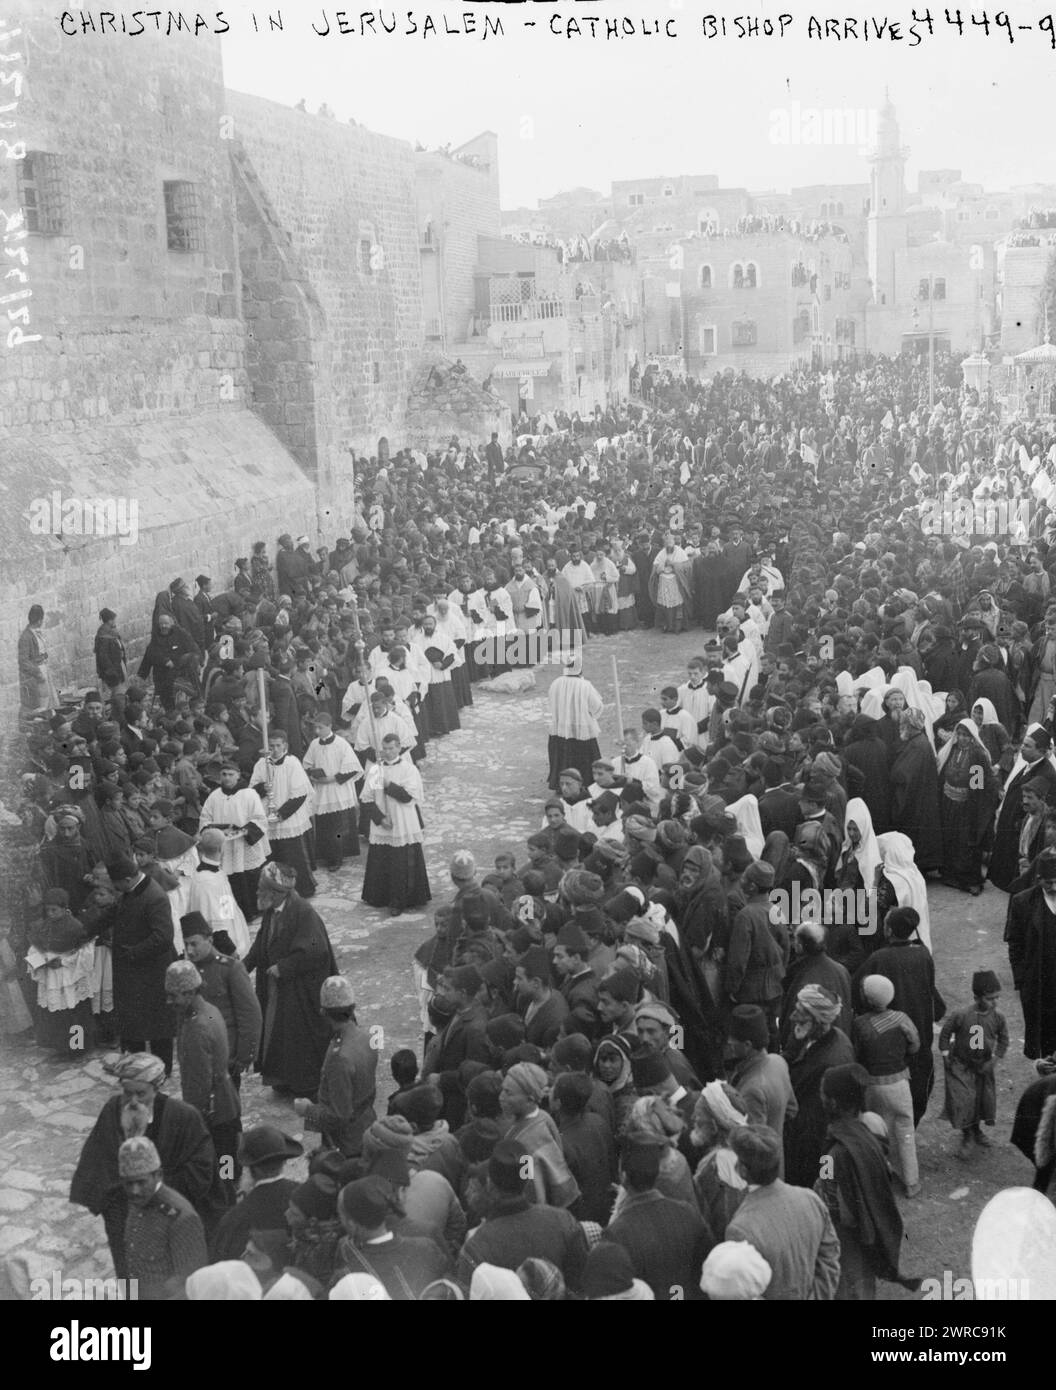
x=14 y=229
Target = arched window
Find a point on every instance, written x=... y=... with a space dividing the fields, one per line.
x=940 y=288
x=705 y=277
x=839 y=210
x=737 y=275
x=751 y=276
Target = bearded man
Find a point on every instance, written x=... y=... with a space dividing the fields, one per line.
x=815 y=1045
x=176 y=1130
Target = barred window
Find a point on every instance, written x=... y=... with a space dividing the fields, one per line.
x=183 y=221
x=744 y=334
x=43 y=192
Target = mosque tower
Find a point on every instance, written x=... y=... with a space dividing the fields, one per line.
x=887 y=234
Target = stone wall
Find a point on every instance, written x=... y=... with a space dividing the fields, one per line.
x=1022 y=276
x=130 y=329
x=286 y=361
x=200 y=489
x=343 y=200
x=444 y=404
x=460 y=202
x=136 y=392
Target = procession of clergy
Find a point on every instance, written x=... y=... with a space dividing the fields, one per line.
x=681 y=1049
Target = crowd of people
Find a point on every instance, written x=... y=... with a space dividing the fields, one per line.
x=771 y=223
x=680 y=1048
x=575 y=250
x=1039 y=218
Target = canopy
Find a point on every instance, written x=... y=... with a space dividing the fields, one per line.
x=505 y=370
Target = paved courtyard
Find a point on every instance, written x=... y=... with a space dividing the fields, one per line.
x=485 y=787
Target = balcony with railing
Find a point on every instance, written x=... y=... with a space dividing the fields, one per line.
x=527 y=310
x=521 y=299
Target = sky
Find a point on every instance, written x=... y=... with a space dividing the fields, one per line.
x=575 y=111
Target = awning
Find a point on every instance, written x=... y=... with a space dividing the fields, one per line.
x=505 y=370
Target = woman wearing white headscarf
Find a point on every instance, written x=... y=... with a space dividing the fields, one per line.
x=967 y=801
x=900 y=870
x=860 y=855
x=492 y=1284
x=905 y=679
x=230 y=1281
x=992 y=734
x=361 y=1288
x=746 y=813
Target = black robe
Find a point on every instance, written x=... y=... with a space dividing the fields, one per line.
x=708 y=588
x=1028 y=1115
x=869 y=756
x=805 y=1134
x=703 y=1030
x=295 y=1035
x=176 y=1130
x=1004 y=858
x=1031 y=936
x=64 y=865
x=188 y=1165
x=861 y=1175
x=285 y=715
x=142 y=940
x=915 y=800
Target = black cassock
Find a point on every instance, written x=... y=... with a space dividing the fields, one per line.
x=295 y=1035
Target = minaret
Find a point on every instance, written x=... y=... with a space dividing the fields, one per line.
x=887 y=235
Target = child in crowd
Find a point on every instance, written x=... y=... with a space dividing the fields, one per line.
x=972 y=1041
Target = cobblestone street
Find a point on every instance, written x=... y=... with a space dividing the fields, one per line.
x=485 y=787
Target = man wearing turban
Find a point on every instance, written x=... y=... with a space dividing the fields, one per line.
x=176 y=1130
x=815 y=1045
x=523 y=1087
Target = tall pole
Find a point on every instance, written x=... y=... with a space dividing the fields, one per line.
x=361 y=649
x=931 y=341
x=619 y=706
x=262 y=698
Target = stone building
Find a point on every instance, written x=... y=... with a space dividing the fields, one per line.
x=225 y=302
x=135 y=393
x=1020 y=275
x=765 y=302
x=458 y=201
